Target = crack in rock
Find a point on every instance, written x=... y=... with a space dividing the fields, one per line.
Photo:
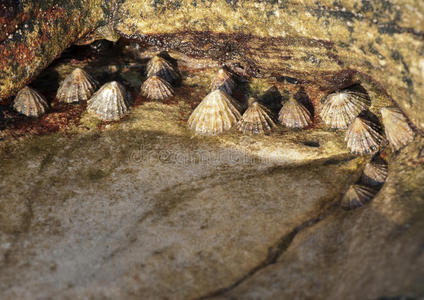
x=274 y=252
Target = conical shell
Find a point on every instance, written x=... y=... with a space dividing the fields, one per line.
x=156 y=88
x=256 y=120
x=363 y=136
x=111 y=102
x=77 y=86
x=356 y=196
x=294 y=115
x=223 y=81
x=217 y=112
x=342 y=107
x=375 y=172
x=161 y=67
x=396 y=127
x=30 y=103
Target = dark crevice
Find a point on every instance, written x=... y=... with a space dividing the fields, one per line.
x=275 y=251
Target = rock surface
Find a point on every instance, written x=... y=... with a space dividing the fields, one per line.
x=145 y=209
x=331 y=43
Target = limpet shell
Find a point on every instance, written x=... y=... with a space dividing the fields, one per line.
x=357 y=195
x=161 y=67
x=294 y=115
x=111 y=102
x=396 y=127
x=77 y=86
x=223 y=81
x=256 y=119
x=30 y=103
x=341 y=108
x=156 y=88
x=375 y=172
x=363 y=136
x=217 y=112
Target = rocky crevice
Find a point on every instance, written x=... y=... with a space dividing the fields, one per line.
x=275 y=251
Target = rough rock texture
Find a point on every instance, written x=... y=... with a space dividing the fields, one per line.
x=333 y=43
x=144 y=209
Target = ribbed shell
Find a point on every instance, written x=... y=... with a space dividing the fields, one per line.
x=342 y=107
x=256 y=120
x=363 y=136
x=223 y=81
x=356 y=196
x=111 y=102
x=77 y=86
x=396 y=127
x=217 y=112
x=294 y=115
x=161 y=67
x=375 y=172
x=156 y=88
x=30 y=103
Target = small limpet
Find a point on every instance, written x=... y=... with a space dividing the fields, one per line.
x=223 y=81
x=294 y=115
x=77 y=86
x=156 y=88
x=217 y=112
x=161 y=67
x=375 y=172
x=363 y=136
x=396 y=127
x=256 y=119
x=30 y=103
x=340 y=108
x=357 y=195
x=111 y=102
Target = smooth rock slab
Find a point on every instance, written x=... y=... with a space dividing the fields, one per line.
x=127 y=213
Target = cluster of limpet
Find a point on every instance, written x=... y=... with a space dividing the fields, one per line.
x=213 y=116
x=160 y=75
x=111 y=102
x=372 y=179
x=348 y=108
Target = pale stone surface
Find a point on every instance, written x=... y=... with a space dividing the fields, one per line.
x=133 y=212
x=130 y=210
x=371 y=253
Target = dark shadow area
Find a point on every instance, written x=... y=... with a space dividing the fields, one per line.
x=272 y=99
x=302 y=97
